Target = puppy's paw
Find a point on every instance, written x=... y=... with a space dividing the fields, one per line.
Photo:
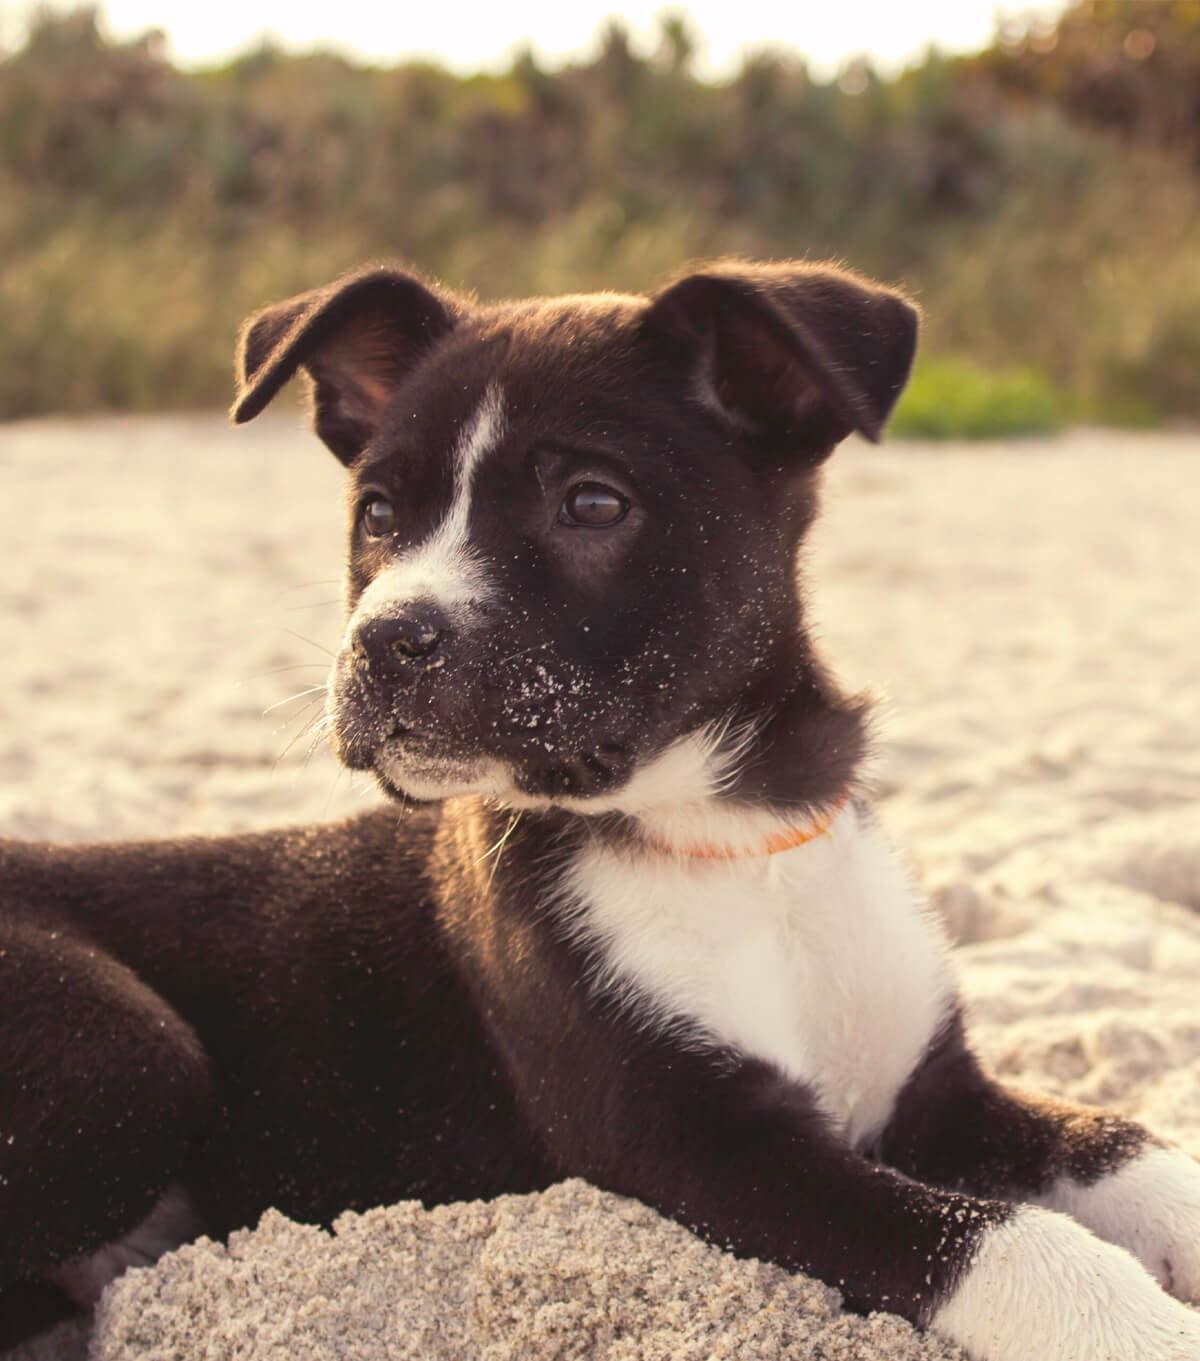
x=1151 y=1207
x=1042 y=1286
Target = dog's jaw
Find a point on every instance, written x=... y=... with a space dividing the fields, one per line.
x=678 y=781
x=427 y=778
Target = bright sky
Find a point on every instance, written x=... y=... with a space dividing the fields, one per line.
x=469 y=36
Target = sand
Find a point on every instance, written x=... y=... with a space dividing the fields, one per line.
x=1029 y=613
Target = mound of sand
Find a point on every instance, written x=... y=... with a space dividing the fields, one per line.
x=573 y=1272
x=1029 y=610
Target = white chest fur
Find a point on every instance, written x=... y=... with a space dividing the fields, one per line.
x=820 y=960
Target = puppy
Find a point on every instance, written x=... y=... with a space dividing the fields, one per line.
x=642 y=927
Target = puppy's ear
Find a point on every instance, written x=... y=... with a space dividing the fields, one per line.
x=804 y=352
x=356 y=339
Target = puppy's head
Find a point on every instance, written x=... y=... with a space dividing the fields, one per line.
x=574 y=526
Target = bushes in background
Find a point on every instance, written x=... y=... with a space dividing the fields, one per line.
x=144 y=211
x=958 y=399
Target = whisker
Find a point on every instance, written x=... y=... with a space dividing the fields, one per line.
x=279 y=670
x=312 y=642
x=291 y=699
x=317 y=731
x=497 y=850
x=304 y=732
x=496 y=846
x=306 y=586
x=333 y=784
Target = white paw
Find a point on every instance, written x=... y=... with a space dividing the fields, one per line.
x=1040 y=1286
x=1151 y=1207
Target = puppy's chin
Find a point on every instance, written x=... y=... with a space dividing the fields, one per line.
x=426 y=779
x=416 y=765
x=403 y=774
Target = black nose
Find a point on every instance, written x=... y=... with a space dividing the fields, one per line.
x=390 y=642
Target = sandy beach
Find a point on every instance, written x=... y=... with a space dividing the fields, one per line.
x=1029 y=614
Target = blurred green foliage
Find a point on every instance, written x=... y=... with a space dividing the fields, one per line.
x=953 y=398
x=1042 y=199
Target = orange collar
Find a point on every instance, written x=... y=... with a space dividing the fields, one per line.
x=779 y=841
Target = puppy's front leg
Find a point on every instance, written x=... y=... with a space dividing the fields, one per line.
x=955 y=1127
x=739 y=1154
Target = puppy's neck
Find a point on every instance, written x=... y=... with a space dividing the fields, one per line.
x=768 y=783
x=738 y=838
x=742 y=788
x=808 y=749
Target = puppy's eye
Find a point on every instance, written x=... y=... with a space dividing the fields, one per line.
x=592 y=504
x=378 y=516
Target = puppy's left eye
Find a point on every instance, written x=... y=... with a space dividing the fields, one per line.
x=378 y=516
x=592 y=504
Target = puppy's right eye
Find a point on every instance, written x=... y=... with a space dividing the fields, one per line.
x=378 y=517
x=593 y=505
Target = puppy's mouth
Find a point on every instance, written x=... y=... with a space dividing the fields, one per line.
x=414 y=763
x=408 y=762
x=410 y=765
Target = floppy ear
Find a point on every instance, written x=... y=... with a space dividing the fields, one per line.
x=804 y=352
x=355 y=338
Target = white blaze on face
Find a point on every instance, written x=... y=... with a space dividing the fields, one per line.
x=444 y=568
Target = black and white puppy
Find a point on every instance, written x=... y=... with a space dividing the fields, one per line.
x=653 y=936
